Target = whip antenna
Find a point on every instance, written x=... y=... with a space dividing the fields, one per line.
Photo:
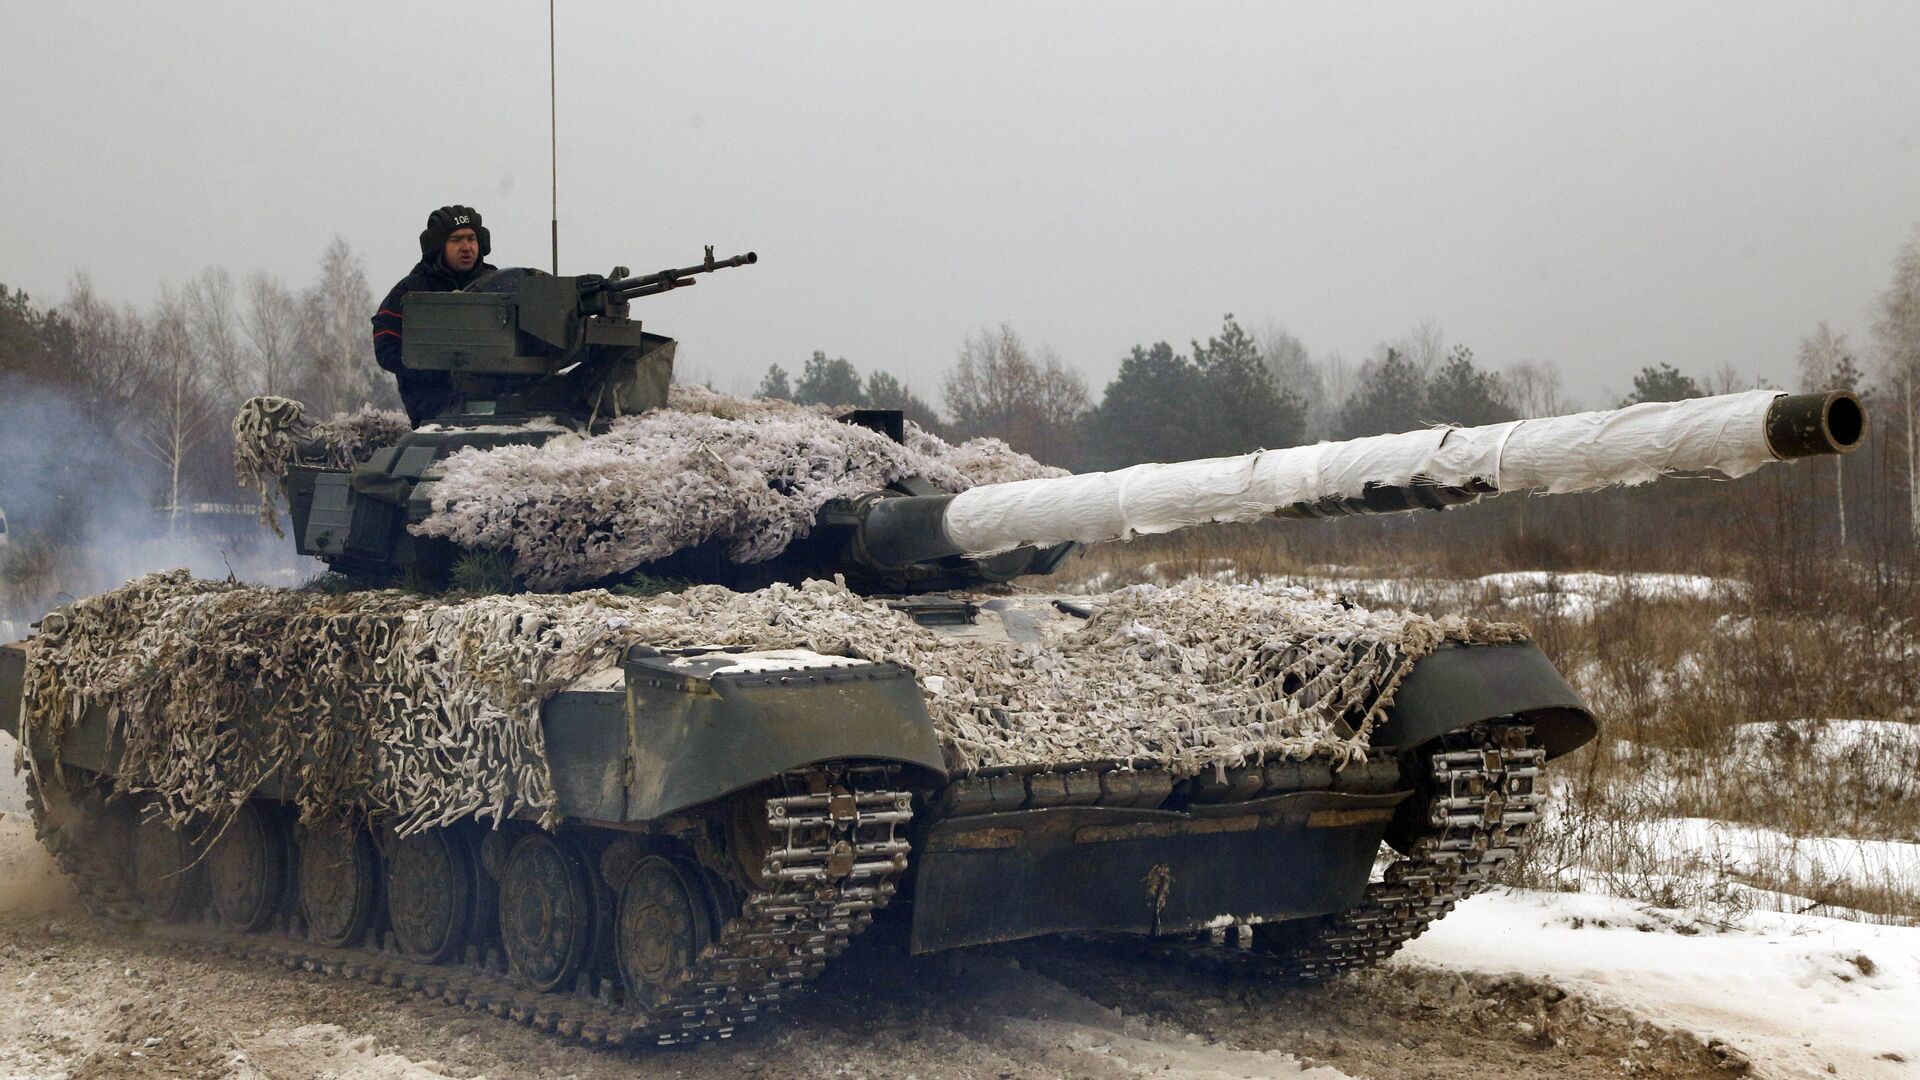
x=553 y=138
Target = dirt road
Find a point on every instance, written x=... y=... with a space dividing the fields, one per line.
x=81 y=1001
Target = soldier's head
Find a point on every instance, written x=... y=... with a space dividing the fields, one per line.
x=455 y=238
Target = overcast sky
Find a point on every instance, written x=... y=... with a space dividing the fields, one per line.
x=1694 y=184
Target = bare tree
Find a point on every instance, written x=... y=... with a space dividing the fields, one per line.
x=212 y=324
x=336 y=343
x=1726 y=379
x=1294 y=371
x=1338 y=380
x=112 y=348
x=1424 y=346
x=176 y=422
x=1535 y=389
x=1898 y=332
x=1827 y=364
x=271 y=325
x=999 y=388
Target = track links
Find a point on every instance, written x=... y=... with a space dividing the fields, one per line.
x=834 y=862
x=1485 y=792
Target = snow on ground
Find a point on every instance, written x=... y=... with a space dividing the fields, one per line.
x=1662 y=586
x=1867 y=745
x=1745 y=849
x=1568 y=595
x=1803 y=996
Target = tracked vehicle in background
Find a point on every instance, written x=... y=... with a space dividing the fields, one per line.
x=729 y=819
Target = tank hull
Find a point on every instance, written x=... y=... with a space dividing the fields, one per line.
x=668 y=738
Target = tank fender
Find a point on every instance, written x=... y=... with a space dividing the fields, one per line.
x=704 y=724
x=13 y=675
x=1461 y=685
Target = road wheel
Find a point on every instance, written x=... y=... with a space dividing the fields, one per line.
x=168 y=880
x=662 y=925
x=547 y=913
x=248 y=868
x=431 y=890
x=339 y=874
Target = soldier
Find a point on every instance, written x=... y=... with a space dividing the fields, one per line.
x=452 y=248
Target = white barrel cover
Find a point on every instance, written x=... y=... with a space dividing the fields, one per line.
x=1582 y=452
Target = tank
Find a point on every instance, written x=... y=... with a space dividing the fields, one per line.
x=645 y=816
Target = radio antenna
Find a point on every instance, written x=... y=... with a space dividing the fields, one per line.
x=553 y=137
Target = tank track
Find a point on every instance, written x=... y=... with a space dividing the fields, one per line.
x=829 y=881
x=835 y=860
x=96 y=873
x=1484 y=795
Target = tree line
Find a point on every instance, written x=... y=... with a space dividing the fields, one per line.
x=149 y=392
x=1240 y=391
x=153 y=391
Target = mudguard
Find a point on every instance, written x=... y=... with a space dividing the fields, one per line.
x=87 y=742
x=13 y=673
x=1461 y=685
x=704 y=724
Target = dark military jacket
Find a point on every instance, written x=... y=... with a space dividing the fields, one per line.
x=425 y=393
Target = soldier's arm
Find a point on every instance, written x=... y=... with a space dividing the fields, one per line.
x=386 y=329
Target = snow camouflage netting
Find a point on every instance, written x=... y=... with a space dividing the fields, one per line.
x=271 y=433
x=752 y=474
x=418 y=711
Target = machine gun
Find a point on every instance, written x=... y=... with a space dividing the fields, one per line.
x=521 y=343
x=632 y=288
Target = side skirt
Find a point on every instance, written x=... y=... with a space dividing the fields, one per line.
x=1001 y=877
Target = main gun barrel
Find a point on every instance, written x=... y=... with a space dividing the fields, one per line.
x=1729 y=435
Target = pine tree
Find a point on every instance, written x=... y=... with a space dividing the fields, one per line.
x=774 y=384
x=1147 y=412
x=1392 y=396
x=885 y=391
x=1663 y=383
x=1243 y=409
x=1460 y=393
x=829 y=382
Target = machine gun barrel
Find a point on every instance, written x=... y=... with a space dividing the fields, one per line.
x=1434 y=468
x=648 y=284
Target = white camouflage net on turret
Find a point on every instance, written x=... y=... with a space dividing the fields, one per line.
x=418 y=712
x=271 y=434
x=749 y=474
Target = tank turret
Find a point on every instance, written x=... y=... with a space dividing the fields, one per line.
x=529 y=356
